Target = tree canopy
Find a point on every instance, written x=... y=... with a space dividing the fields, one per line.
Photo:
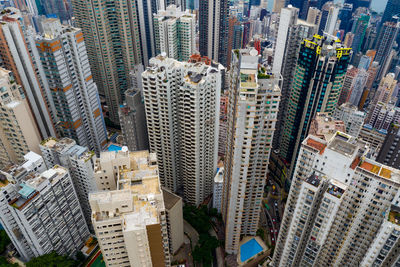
x=4 y=240
x=51 y=260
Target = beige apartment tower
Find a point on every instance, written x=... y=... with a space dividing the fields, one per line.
x=18 y=131
x=252 y=113
x=131 y=221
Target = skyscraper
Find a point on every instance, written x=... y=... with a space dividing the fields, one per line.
x=331 y=19
x=130 y=222
x=18 y=131
x=352 y=118
x=316 y=86
x=345 y=16
x=18 y=54
x=253 y=106
x=174 y=33
x=386 y=40
x=235 y=37
x=114 y=45
x=314 y=16
x=63 y=54
x=385 y=89
x=182 y=111
x=357 y=87
x=61 y=8
x=359 y=30
x=351 y=74
x=40 y=211
x=79 y=161
x=392 y=8
x=389 y=153
x=213 y=27
x=333 y=214
x=133 y=121
x=291 y=32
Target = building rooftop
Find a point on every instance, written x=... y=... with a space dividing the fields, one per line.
x=313 y=180
x=316 y=143
x=394 y=215
x=170 y=199
x=219 y=177
x=138 y=199
x=336 y=188
x=35 y=183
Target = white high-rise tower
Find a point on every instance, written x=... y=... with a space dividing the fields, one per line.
x=182 y=111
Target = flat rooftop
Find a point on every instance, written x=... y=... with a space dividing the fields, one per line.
x=138 y=186
x=313 y=180
x=170 y=199
x=336 y=188
x=394 y=215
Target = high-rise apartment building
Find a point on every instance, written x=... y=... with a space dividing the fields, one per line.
x=235 y=37
x=182 y=111
x=352 y=118
x=40 y=211
x=174 y=216
x=389 y=153
x=112 y=36
x=80 y=163
x=331 y=20
x=333 y=214
x=316 y=86
x=290 y=33
x=18 y=131
x=175 y=33
x=345 y=16
x=382 y=115
x=314 y=16
x=218 y=189
x=357 y=87
x=63 y=54
x=131 y=222
x=61 y=8
x=18 y=54
x=213 y=27
x=385 y=90
x=386 y=40
x=384 y=249
x=351 y=73
x=253 y=107
x=359 y=30
x=133 y=121
x=392 y=8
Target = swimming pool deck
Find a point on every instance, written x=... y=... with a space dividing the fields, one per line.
x=245 y=240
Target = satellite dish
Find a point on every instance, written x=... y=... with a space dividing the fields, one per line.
x=253 y=52
x=163 y=54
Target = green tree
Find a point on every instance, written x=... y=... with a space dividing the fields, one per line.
x=80 y=257
x=51 y=260
x=260 y=232
x=5 y=263
x=4 y=240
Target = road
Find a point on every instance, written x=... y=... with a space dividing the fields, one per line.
x=274 y=214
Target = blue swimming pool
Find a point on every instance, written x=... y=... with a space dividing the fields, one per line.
x=114 y=148
x=249 y=249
